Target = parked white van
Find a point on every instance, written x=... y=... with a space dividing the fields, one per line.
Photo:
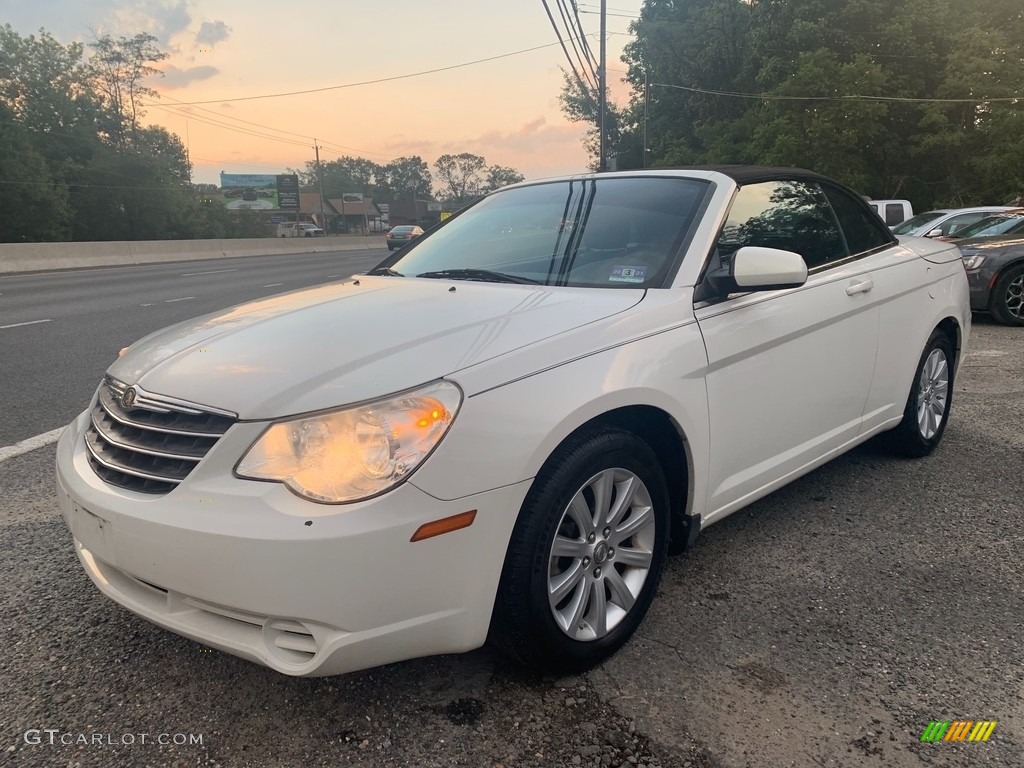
x=892 y=212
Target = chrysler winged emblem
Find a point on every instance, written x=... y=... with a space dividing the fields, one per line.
x=128 y=398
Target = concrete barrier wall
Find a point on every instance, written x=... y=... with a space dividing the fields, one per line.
x=30 y=257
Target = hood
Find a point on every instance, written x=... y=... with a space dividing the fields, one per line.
x=355 y=340
x=982 y=244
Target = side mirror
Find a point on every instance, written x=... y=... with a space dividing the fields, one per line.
x=755 y=268
x=934 y=233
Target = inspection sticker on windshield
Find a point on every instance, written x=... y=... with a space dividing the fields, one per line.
x=628 y=274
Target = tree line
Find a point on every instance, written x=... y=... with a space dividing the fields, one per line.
x=918 y=99
x=460 y=178
x=76 y=163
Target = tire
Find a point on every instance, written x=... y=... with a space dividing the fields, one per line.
x=931 y=395
x=1008 y=296
x=606 y=575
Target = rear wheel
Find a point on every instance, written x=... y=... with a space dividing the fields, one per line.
x=584 y=560
x=931 y=395
x=1008 y=296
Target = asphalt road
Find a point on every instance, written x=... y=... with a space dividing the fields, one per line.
x=825 y=625
x=60 y=330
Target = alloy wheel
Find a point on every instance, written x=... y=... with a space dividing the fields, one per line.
x=1015 y=297
x=932 y=393
x=601 y=554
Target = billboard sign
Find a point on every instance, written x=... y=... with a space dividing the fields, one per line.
x=259 y=192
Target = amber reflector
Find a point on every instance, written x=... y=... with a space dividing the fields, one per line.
x=444 y=525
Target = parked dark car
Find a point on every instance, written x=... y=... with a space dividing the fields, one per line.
x=995 y=271
x=402 y=235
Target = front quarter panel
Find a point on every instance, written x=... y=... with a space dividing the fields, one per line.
x=504 y=434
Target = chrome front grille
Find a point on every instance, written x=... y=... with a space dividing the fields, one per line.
x=146 y=442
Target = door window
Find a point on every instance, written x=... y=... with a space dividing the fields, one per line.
x=790 y=215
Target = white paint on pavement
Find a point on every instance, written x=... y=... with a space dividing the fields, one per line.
x=183 y=298
x=273 y=285
x=18 y=325
x=211 y=272
x=30 y=444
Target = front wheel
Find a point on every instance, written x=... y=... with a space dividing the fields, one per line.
x=1008 y=296
x=931 y=395
x=586 y=554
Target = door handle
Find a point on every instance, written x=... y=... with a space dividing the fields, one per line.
x=862 y=287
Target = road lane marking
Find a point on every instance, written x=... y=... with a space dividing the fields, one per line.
x=18 y=325
x=211 y=272
x=30 y=444
x=330 y=276
x=273 y=285
x=146 y=305
x=183 y=298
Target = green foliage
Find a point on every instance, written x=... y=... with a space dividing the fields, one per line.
x=381 y=182
x=76 y=163
x=460 y=176
x=809 y=69
x=35 y=208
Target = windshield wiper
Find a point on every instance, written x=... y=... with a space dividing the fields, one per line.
x=483 y=275
x=387 y=271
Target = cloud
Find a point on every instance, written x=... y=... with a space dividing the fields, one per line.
x=160 y=18
x=212 y=32
x=180 y=78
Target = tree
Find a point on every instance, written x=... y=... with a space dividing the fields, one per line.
x=461 y=176
x=499 y=176
x=120 y=68
x=402 y=175
x=823 y=85
x=35 y=207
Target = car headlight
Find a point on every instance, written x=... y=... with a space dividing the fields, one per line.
x=357 y=452
x=974 y=261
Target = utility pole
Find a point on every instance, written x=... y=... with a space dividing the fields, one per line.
x=320 y=177
x=602 y=162
x=647 y=98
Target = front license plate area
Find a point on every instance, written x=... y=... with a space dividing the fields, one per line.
x=91 y=530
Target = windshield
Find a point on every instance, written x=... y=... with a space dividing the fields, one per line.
x=915 y=222
x=401 y=229
x=606 y=232
x=993 y=225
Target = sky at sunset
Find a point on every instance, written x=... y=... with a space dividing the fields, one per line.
x=224 y=52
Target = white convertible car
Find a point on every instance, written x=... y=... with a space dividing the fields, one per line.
x=501 y=431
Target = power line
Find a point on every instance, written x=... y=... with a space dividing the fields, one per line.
x=370 y=82
x=188 y=115
x=774 y=97
x=209 y=121
x=574 y=34
x=583 y=37
x=584 y=87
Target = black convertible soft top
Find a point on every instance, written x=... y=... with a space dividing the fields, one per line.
x=747 y=174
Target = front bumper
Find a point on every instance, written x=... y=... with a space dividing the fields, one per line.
x=980 y=281
x=306 y=589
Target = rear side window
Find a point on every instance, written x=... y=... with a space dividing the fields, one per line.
x=863 y=231
x=893 y=213
x=955 y=223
